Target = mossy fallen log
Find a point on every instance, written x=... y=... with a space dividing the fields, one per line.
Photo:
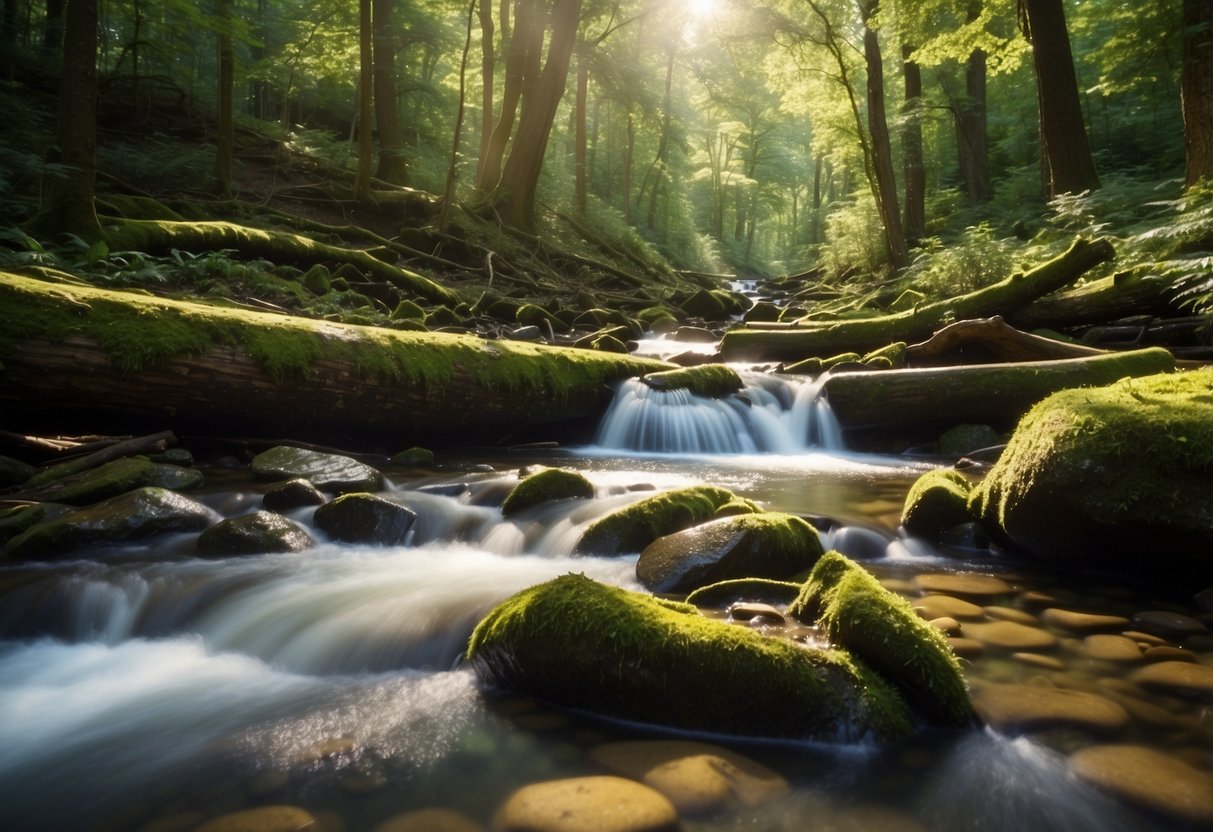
x=86 y=353
x=993 y=340
x=806 y=339
x=995 y=394
x=278 y=246
x=1099 y=301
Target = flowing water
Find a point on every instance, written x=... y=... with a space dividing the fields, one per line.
x=146 y=688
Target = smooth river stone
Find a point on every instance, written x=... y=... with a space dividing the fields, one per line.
x=430 y=820
x=698 y=778
x=1011 y=614
x=263 y=819
x=1167 y=653
x=587 y=804
x=966 y=648
x=1110 y=648
x=1028 y=708
x=1011 y=636
x=963 y=583
x=947 y=625
x=1149 y=779
x=1082 y=622
x=1037 y=660
x=1168 y=624
x=941 y=606
x=1178 y=678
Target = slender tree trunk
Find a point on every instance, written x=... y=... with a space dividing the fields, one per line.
x=911 y=148
x=628 y=148
x=259 y=87
x=52 y=35
x=1196 y=89
x=580 y=174
x=1065 y=149
x=366 y=81
x=663 y=144
x=882 y=149
x=515 y=196
x=8 y=40
x=970 y=115
x=391 y=137
x=818 y=169
x=521 y=61
x=488 y=69
x=226 y=139
x=452 y=171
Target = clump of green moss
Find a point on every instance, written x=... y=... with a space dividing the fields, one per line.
x=712 y=381
x=584 y=645
x=937 y=501
x=549 y=484
x=408 y=310
x=764 y=590
x=632 y=528
x=882 y=628
x=891 y=357
x=530 y=314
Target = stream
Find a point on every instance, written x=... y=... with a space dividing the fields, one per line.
x=149 y=689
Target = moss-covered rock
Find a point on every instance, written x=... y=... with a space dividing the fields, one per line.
x=584 y=645
x=937 y=501
x=808 y=367
x=366 y=518
x=117 y=477
x=530 y=314
x=414 y=458
x=14 y=471
x=767 y=545
x=262 y=532
x=633 y=527
x=15 y=520
x=652 y=315
x=292 y=494
x=408 y=310
x=712 y=381
x=441 y=316
x=608 y=343
x=1119 y=478
x=882 y=628
x=128 y=517
x=760 y=590
x=542 y=486
x=964 y=439
x=763 y=311
x=316 y=279
x=332 y=473
x=708 y=305
x=891 y=357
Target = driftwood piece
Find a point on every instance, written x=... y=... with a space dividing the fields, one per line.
x=806 y=339
x=151 y=444
x=994 y=394
x=989 y=340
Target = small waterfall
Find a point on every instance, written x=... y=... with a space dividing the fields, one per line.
x=772 y=414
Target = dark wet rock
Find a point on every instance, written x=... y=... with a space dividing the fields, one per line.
x=262 y=532
x=937 y=501
x=174 y=456
x=118 y=477
x=1031 y=708
x=291 y=495
x=1118 y=478
x=587 y=804
x=758 y=590
x=15 y=520
x=767 y=545
x=526 y=333
x=365 y=518
x=584 y=645
x=331 y=473
x=692 y=358
x=633 y=527
x=544 y=486
x=451 y=489
x=1147 y=778
x=1168 y=624
x=709 y=304
x=1178 y=678
x=883 y=630
x=764 y=311
x=713 y=381
x=14 y=471
x=415 y=458
x=530 y=314
x=964 y=439
x=695 y=335
x=128 y=517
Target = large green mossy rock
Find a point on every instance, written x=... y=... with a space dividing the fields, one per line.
x=117 y=477
x=882 y=628
x=1117 y=478
x=262 y=532
x=767 y=545
x=937 y=501
x=333 y=473
x=15 y=520
x=632 y=528
x=544 y=486
x=14 y=471
x=712 y=381
x=580 y=644
x=129 y=517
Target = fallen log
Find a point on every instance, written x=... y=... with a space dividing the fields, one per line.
x=89 y=355
x=806 y=339
x=993 y=394
x=1099 y=301
x=990 y=340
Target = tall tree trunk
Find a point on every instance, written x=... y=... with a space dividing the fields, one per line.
x=970 y=115
x=70 y=204
x=1196 y=89
x=515 y=196
x=391 y=137
x=53 y=34
x=521 y=60
x=882 y=148
x=225 y=142
x=663 y=144
x=259 y=88
x=580 y=174
x=8 y=40
x=1066 y=151
x=818 y=169
x=366 y=81
x=448 y=197
x=911 y=148
x=629 y=147
x=488 y=69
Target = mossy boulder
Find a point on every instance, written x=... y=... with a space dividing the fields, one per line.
x=608 y=343
x=546 y=485
x=767 y=545
x=118 y=477
x=762 y=312
x=292 y=494
x=366 y=518
x=14 y=471
x=633 y=527
x=1118 y=478
x=881 y=628
x=712 y=381
x=126 y=518
x=15 y=520
x=530 y=314
x=316 y=279
x=937 y=501
x=891 y=357
x=441 y=316
x=414 y=458
x=408 y=310
x=332 y=473
x=622 y=654
x=711 y=305
x=964 y=439
x=758 y=590
x=262 y=532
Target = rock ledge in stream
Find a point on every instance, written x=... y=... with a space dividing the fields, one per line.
x=580 y=644
x=365 y=518
x=633 y=527
x=261 y=532
x=328 y=472
x=114 y=478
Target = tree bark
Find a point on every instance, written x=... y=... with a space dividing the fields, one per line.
x=1196 y=89
x=53 y=34
x=488 y=69
x=882 y=148
x=391 y=138
x=987 y=340
x=911 y=148
x=8 y=39
x=580 y=173
x=1066 y=152
x=1098 y=301
x=629 y=148
x=366 y=83
x=971 y=133
x=225 y=141
x=525 y=43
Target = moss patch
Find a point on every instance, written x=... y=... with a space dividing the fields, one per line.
x=632 y=528
x=543 y=486
x=764 y=590
x=937 y=501
x=583 y=645
x=712 y=381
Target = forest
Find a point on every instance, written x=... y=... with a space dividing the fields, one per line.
x=613 y=415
